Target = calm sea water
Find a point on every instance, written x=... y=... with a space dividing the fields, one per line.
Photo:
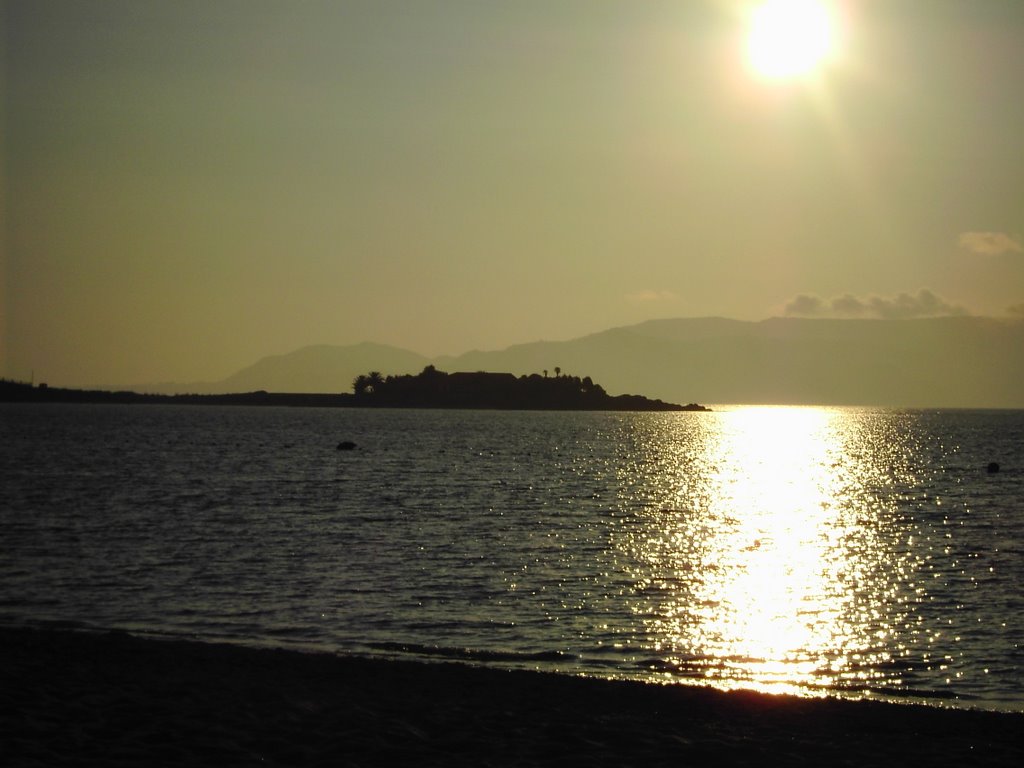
x=851 y=552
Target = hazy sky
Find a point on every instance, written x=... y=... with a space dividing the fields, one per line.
x=190 y=186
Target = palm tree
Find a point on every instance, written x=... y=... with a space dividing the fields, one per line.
x=558 y=371
x=375 y=380
x=359 y=384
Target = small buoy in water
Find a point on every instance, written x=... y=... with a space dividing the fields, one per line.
x=993 y=467
x=346 y=445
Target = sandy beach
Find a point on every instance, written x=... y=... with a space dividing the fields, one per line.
x=114 y=699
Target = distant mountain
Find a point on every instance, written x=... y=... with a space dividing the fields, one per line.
x=934 y=362
x=321 y=369
x=947 y=361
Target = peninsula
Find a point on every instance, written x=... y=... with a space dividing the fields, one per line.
x=430 y=388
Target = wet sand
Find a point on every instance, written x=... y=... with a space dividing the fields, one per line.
x=113 y=699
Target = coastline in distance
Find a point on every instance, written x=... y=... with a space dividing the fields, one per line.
x=430 y=388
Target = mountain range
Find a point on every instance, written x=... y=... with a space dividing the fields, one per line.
x=927 y=362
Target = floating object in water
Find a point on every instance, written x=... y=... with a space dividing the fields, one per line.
x=346 y=445
x=993 y=467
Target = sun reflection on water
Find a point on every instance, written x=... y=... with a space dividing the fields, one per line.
x=766 y=569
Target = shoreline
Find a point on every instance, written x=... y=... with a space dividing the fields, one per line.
x=112 y=698
x=21 y=392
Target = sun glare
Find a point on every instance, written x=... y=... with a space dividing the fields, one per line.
x=788 y=38
x=759 y=570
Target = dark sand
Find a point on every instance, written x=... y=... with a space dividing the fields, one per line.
x=112 y=699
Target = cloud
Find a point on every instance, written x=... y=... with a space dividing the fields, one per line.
x=648 y=296
x=848 y=306
x=806 y=306
x=924 y=303
x=990 y=243
x=1017 y=310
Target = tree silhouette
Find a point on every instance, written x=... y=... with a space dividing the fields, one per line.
x=432 y=388
x=375 y=379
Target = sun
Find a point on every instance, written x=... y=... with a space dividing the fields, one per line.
x=789 y=38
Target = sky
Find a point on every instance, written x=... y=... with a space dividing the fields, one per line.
x=190 y=186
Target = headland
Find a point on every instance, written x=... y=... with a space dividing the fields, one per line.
x=430 y=388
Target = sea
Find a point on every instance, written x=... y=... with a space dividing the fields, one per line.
x=846 y=552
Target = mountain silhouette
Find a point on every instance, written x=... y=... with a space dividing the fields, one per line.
x=322 y=368
x=930 y=362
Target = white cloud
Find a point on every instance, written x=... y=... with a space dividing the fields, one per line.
x=990 y=243
x=924 y=303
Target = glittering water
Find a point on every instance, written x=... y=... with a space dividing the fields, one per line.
x=853 y=552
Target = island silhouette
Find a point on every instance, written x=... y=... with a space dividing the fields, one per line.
x=430 y=388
